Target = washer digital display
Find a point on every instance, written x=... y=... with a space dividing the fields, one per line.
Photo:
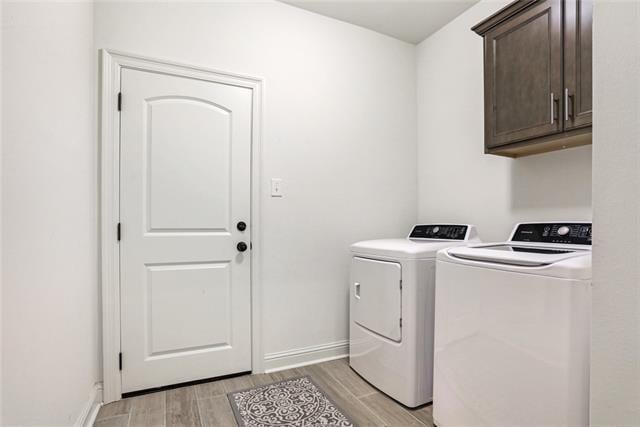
x=568 y=233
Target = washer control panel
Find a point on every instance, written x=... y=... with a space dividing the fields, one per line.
x=572 y=233
x=439 y=232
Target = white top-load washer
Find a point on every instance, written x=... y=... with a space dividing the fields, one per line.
x=512 y=329
x=391 y=309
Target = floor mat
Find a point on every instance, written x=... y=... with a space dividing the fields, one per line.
x=294 y=402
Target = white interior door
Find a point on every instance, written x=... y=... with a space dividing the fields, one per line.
x=185 y=170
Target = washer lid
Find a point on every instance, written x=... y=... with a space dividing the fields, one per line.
x=513 y=254
x=559 y=262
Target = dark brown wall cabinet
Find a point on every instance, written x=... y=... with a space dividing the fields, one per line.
x=537 y=76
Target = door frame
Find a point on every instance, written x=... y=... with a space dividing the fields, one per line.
x=111 y=64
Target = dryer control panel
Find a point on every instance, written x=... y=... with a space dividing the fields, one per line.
x=439 y=232
x=572 y=233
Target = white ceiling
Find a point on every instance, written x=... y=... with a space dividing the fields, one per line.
x=408 y=20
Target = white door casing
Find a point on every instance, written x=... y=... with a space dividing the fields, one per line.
x=189 y=160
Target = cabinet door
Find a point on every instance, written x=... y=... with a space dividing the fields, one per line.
x=523 y=75
x=577 y=63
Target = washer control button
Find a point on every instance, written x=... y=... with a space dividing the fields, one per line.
x=563 y=231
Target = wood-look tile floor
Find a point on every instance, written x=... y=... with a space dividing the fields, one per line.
x=207 y=404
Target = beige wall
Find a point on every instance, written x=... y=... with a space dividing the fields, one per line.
x=615 y=364
x=49 y=216
x=1 y=311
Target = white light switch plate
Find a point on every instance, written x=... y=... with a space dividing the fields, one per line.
x=276 y=187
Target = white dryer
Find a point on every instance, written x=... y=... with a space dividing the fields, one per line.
x=512 y=329
x=392 y=309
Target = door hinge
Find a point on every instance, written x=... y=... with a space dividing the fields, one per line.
x=119 y=232
x=120 y=361
x=401 y=322
x=119 y=101
x=400 y=284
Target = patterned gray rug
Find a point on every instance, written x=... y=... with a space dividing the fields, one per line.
x=295 y=402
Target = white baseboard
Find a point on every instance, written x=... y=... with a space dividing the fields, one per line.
x=279 y=361
x=90 y=410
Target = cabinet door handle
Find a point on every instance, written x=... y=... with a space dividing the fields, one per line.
x=569 y=101
x=553 y=108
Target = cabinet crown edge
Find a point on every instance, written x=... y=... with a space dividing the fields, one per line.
x=502 y=15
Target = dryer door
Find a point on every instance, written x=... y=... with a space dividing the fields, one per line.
x=376 y=296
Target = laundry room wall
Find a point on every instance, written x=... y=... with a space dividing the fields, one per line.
x=615 y=372
x=457 y=182
x=1 y=311
x=339 y=129
x=49 y=310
